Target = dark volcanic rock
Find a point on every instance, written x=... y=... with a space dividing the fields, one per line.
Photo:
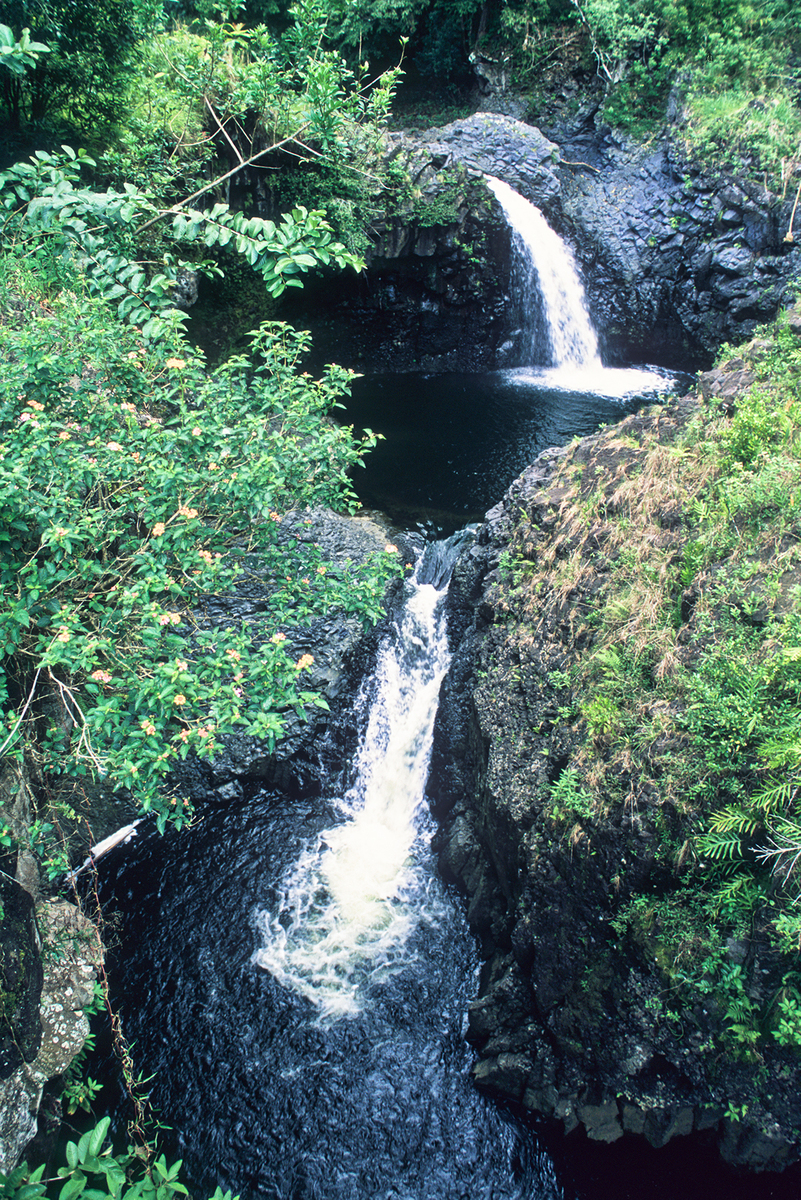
x=675 y=260
x=571 y=1019
x=20 y=977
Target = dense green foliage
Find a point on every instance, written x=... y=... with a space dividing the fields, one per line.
x=134 y=481
x=91 y=53
x=724 y=694
x=93 y=1172
x=675 y=565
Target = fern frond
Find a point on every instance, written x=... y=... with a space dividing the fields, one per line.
x=774 y=797
x=719 y=845
x=733 y=820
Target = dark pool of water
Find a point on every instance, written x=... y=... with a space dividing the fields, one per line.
x=453 y=443
x=260 y=1096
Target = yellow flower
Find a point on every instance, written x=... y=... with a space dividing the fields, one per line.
x=35 y=404
x=148 y=726
x=305 y=660
x=63 y=436
x=176 y=364
x=115 y=446
x=158 y=529
x=277 y=638
x=183 y=511
x=180 y=700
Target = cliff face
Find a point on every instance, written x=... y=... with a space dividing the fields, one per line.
x=565 y=775
x=676 y=258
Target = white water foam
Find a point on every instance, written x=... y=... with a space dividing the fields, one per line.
x=614 y=383
x=349 y=906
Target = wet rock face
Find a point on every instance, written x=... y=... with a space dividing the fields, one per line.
x=675 y=261
x=58 y=1022
x=20 y=978
x=434 y=295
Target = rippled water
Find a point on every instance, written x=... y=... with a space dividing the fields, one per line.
x=266 y=1099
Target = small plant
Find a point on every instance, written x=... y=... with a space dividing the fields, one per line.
x=602 y=716
x=569 y=800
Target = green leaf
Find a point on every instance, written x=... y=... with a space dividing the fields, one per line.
x=73 y=1187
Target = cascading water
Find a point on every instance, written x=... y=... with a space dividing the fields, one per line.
x=295 y=976
x=547 y=273
x=349 y=905
x=548 y=269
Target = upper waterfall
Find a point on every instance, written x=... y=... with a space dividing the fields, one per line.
x=549 y=267
x=548 y=278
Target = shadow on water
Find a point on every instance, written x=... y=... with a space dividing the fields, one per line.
x=453 y=443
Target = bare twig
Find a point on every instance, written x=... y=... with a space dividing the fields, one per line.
x=789 y=237
x=21 y=717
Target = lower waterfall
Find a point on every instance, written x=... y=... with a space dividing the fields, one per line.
x=352 y=901
x=295 y=975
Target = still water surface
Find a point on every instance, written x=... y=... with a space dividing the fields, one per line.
x=453 y=443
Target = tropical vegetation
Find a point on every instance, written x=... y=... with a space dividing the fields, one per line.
x=149 y=145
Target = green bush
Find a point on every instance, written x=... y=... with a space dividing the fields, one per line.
x=92 y=52
x=134 y=483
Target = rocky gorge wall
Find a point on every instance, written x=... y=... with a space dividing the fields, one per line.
x=676 y=258
x=551 y=824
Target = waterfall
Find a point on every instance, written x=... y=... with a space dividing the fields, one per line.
x=548 y=274
x=350 y=904
x=549 y=267
x=331 y=1063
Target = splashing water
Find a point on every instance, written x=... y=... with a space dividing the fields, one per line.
x=548 y=273
x=348 y=908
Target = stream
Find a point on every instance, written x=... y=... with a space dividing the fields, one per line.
x=292 y=971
